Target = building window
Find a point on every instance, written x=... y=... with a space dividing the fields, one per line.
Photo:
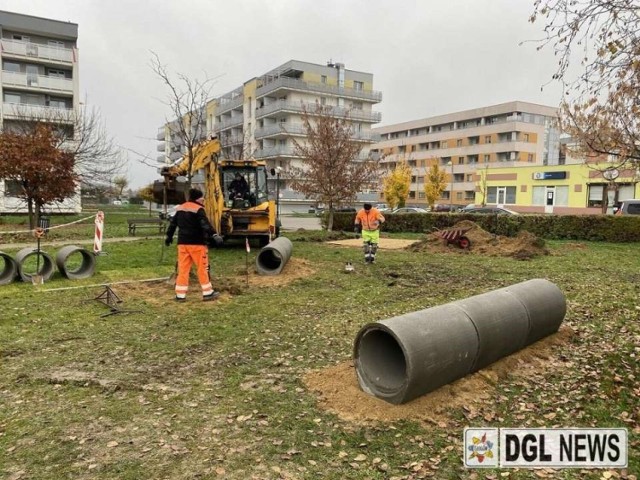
x=458 y=195
x=526 y=137
x=11 y=97
x=422 y=195
x=323 y=79
x=57 y=102
x=444 y=144
x=282 y=142
x=460 y=160
x=487 y=158
x=501 y=195
x=55 y=43
x=596 y=195
x=458 y=143
x=12 y=188
x=358 y=85
x=530 y=157
x=469 y=195
x=356 y=105
x=487 y=139
x=11 y=67
x=469 y=177
x=21 y=38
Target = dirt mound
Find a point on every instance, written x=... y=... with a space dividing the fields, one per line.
x=522 y=247
x=473 y=395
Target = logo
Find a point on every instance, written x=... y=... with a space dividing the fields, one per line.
x=481 y=447
x=546 y=447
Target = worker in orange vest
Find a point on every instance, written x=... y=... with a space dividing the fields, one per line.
x=194 y=234
x=368 y=221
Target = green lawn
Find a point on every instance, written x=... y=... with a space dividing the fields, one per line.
x=200 y=390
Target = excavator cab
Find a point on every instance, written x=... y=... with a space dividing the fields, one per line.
x=244 y=187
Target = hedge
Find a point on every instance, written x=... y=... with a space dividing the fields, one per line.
x=607 y=228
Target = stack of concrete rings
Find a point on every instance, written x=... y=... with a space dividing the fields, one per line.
x=14 y=268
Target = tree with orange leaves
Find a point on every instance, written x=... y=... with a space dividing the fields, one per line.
x=44 y=172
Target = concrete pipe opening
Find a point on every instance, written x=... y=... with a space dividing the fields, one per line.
x=381 y=361
x=75 y=262
x=9 y=271
x=274 y=256
x=30 y=265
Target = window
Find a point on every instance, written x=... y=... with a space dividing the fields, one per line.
x=487 y=158
x=12 y=188
x=460 y=160
x=444 y=144
x=11 y=97
x=469 y=177
x=596 y=195
x=358 y=85
x=525 y=137
x=282 y=142
x=530 y=157
x=539 y=196
x=11 y=67
x=458 y=143
x=356 y=105
x=487 y=139
x=458 y=195
x=422 y=195
x=57 y=102
x=55 y=43
x=469 y=195
x=501 y=195
x=20 y=38
x=323 y=78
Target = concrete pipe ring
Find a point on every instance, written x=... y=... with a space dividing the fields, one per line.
x=45 y=270
x=84 y=270
x=274 y=256
x=10 y=270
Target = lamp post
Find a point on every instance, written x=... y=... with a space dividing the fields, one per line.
x=450 y=163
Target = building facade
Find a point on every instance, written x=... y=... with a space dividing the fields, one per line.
x=260 y=118
x=39 y=80
x=462 y=143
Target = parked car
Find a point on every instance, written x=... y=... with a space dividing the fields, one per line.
x=171 y=211
x=446 y=207
x=629 y=207
x=409 y=210
x=490 y=210
x=321 y=210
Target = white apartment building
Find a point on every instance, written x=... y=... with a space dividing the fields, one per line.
x=509 y=134
x=259 y=118
x=38 y=80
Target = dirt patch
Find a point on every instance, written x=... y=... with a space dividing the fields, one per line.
x=157 y=292
x=522 y=247
x=385 y=243
x=474 y=395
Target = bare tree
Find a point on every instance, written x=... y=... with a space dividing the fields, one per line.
x=332 y=172
x=601 y=105
x=187 y=100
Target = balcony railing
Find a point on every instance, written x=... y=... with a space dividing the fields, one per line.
x=35 y=50
x=161 y=147
x=226 y=104
x=234 y=122
x=294 y=84
x=161 y=133
x=299 y=129
x=40 y=82
x=274 y=152
x=41 y=112
x=310 y=108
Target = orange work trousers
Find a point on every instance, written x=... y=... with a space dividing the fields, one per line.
x=188 y=255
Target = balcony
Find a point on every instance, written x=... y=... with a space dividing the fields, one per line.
x=161 y=133
x=234 y=122
x=161 y=147
x=310 y=108
x=37 y=51
x=226 y=104
x=21 y=111
x=294 y=84
x=37 y=82
x=288 y=128
x=275 y=152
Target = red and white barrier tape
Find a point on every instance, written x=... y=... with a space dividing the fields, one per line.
x=50 y=228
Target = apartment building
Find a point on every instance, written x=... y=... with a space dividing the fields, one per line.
x=38 y=80
x=509 y=134
x=259 y=118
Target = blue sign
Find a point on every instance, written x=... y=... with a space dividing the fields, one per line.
x=549 y=175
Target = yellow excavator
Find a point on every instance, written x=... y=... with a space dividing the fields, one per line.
x=233 y=213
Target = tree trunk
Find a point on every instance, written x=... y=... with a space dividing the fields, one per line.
x=30 y=210
x=330 y=219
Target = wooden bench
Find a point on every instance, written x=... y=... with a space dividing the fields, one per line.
x=136 y=223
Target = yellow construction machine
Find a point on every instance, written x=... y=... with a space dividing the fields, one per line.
x=247 y=213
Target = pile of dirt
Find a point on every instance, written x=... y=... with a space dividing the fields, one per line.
x=228 y=285
x=522 y=247
x=474 y=395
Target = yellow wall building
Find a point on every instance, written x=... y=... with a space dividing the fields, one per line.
x=576 y=189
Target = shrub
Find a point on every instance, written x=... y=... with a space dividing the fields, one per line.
x=606 y=228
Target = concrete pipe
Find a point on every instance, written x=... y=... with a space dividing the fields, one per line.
x=274 y=256
x=84 y=270
x=10 y=270
x=404 y=357
x=46 y=264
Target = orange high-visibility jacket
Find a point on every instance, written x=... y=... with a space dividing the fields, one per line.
x=370 y=220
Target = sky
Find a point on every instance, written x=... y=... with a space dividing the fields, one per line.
x=427 y=57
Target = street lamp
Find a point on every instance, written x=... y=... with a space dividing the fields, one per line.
x=450 y=163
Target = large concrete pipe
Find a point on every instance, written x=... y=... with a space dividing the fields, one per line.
x=46 y=264
x=274 y=256
x=84 y=270
x=9 y=271
x=403 y=357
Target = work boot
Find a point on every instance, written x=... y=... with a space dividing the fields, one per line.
x=180 y=299
x=211 y=296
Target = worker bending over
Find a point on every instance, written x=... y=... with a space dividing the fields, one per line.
x=194 y=234
x=368 y=221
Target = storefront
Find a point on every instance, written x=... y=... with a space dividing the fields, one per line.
x=561 y=189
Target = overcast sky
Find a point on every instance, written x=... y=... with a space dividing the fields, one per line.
x=428 y=57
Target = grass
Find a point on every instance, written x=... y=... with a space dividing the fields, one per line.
x=215 y=391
